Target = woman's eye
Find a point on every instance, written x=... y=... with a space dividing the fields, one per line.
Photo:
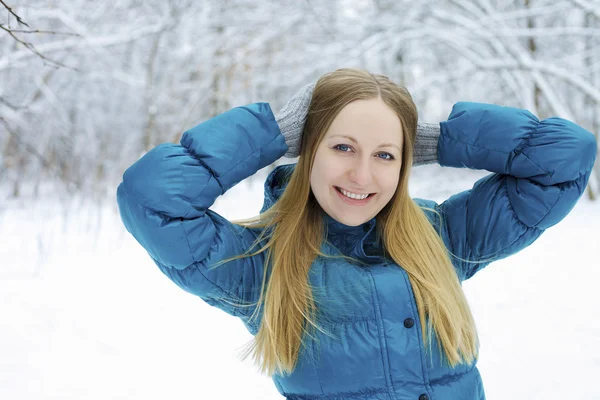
x=342 y=147
x=346 y=149
x=386 y=156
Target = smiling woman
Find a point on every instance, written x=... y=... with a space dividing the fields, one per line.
x=351 y=288
x=358 y=141
x=358 y=162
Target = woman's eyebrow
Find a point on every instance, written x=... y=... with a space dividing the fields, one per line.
x=356 y=142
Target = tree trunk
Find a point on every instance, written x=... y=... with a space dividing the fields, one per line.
x=537 y=93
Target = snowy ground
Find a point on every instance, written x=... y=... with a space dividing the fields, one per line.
x=85 y=314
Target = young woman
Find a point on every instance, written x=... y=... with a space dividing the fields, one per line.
x=351 y=288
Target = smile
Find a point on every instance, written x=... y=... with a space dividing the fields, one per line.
x=353 y=198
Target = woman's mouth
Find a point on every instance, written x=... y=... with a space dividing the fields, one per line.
x=354 y=199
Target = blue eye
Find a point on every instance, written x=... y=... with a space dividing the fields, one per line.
x=346 y=149
x=388 y=156
x=341 y=147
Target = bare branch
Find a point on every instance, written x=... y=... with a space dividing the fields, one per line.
x=19 y=20
x=84 y=42
x=9 y=105
x=39 y=31
x=32 y=48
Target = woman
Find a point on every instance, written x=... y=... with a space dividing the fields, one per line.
x=352 y=289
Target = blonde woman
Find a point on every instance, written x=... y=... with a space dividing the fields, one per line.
x=351 y=288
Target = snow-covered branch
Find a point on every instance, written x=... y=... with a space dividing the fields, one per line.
x=143 y=72
x=84 y=43
x=592 y=7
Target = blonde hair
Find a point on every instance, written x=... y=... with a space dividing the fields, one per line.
x=292 y=234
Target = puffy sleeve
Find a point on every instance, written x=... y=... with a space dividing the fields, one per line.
x=539 y=171
x=165 y=196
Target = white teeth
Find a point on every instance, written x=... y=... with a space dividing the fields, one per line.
x=354 y=195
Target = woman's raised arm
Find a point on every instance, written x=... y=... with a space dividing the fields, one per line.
x=165 y=196
x=540 y=170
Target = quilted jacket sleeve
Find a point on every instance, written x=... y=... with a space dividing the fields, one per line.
x=540 y=170
x=165 y=196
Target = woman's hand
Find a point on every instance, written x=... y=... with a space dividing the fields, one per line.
x=292 y=117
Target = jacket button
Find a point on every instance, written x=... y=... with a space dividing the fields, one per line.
x=423 y=397
x=408 y=323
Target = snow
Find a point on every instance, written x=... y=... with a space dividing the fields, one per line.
x=85 y=314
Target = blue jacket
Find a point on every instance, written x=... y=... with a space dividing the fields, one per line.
x=539 y=169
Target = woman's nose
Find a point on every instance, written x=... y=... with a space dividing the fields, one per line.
x=360 y=173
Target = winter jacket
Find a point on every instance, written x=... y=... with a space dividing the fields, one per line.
x=539 y=169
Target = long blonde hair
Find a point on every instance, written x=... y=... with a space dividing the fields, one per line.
x=292 y=234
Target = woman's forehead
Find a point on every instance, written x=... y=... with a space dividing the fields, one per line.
x=367 y=121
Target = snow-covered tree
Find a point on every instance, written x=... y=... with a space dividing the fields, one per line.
x=122 y=77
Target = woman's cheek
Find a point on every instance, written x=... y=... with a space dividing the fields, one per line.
x=390 y=178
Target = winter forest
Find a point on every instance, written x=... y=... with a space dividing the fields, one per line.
x=87 y=88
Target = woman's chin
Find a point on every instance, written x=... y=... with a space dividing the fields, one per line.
x=351 y=220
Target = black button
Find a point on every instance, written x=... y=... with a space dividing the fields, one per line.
x=408 y=323
x=423 y=397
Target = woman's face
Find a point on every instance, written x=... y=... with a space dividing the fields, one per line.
x=361 y=154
